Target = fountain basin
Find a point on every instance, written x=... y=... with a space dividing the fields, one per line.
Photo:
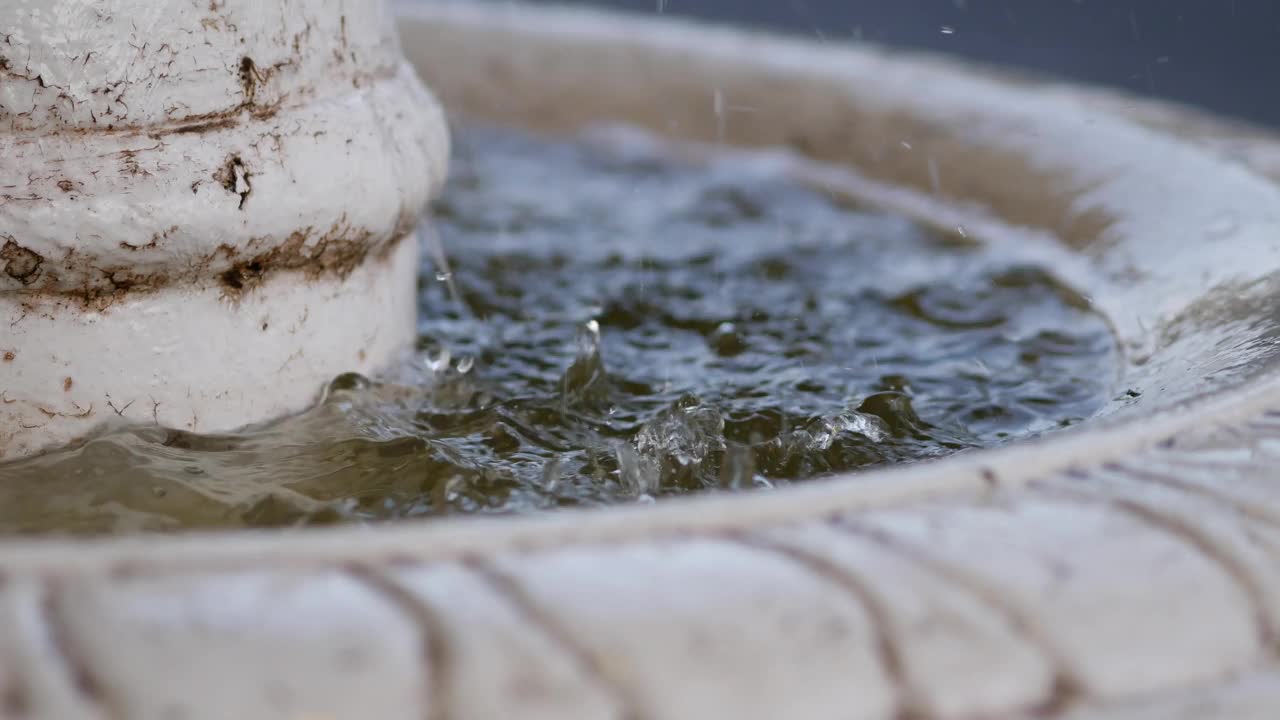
x=1123 y=569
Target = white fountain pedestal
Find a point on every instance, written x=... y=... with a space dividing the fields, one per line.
x=207 y=209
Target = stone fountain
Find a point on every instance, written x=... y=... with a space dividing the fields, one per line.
x=206 y=208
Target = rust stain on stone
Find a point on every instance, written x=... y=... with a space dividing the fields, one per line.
x=154 y=243
x=20 y=263
x=203 y=126
x=234 y=176
x=312 y=253
x=248 y=79
x=335 y=252
x=129 y=163
x=9 y=355
x=66 y=384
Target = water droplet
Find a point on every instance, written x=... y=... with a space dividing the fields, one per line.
x=738 y=469
x=585 y=377
x=444 y=276
x=831 y=429
x=465 y=365
x=683 y=436
x=551 y=475
x=726 y=341
x=948 y=30
x=441 y=362
x=638 y=474
x=452 y=487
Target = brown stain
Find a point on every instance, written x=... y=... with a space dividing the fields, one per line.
x=248 y=79
x=232 y=174
x=201 y=126
x=20 y=263
x=251 y=77
x=9 y=356
x=335 y=252
x=66 y=384
x=129 y=163
x=154 y=243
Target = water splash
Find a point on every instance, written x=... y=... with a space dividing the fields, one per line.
x=757 y=332
x=585 y=381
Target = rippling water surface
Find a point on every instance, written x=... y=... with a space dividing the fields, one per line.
x=626 y=326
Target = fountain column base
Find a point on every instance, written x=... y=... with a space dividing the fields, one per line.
x=190 y=359
x=207 y=210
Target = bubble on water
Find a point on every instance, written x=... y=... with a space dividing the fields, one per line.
x=465 y=365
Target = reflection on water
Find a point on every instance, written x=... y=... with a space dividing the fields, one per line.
x=626 y=327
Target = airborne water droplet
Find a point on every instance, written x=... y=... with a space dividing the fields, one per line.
x=551 y=474
x=738 y=469
x=441 y=362
x=465 y=365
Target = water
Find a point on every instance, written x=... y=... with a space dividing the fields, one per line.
x=616 y=325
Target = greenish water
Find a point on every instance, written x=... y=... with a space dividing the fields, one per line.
x=626 y=327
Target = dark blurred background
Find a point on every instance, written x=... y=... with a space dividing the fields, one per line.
x=1220 y=55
